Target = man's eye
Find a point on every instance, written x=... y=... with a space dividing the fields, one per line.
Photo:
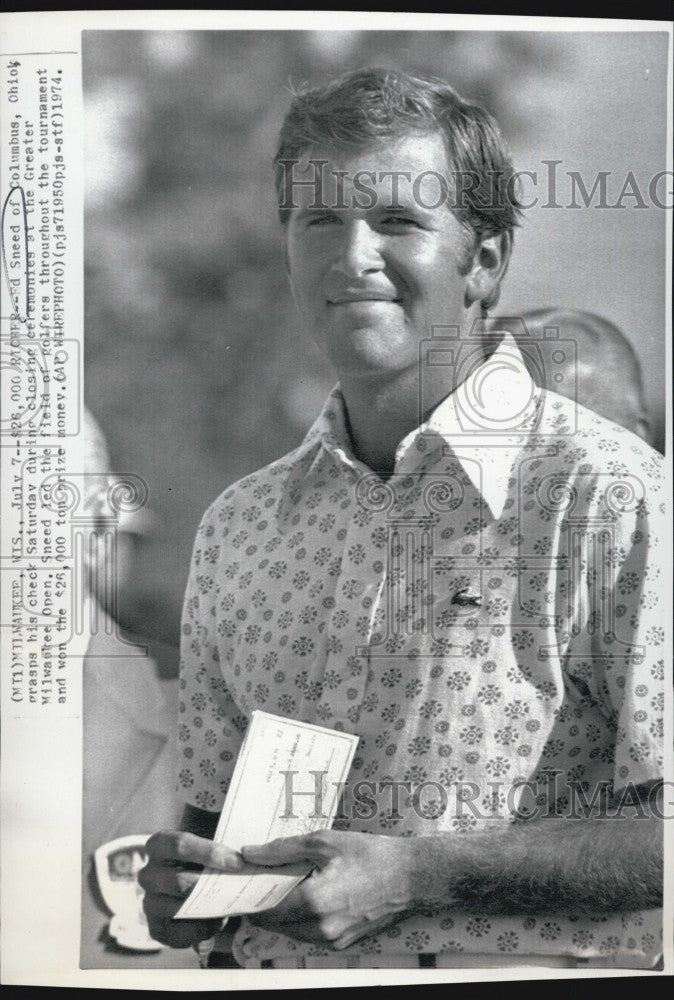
x=321 y=220
x=400 y=220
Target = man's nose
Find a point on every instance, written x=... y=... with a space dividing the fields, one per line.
x=360 y=250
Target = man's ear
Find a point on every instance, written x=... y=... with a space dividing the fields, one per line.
x=490 y=263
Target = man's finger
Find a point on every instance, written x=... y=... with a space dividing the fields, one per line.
x=160 y=908
x=164 y=881
x=356 y=932
x=177 y=846
x=160 y=912
x=182 y=933
x=289 y=850
x=293 y=909
x=335 y=931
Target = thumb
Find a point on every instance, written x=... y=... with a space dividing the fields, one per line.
x=289 y=850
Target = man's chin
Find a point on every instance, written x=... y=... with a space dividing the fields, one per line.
x=368 y=365
x=368 y=350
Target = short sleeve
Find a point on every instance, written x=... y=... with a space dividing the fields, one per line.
x=209 y=723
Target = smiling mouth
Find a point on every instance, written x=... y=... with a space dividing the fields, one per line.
x=351 y=299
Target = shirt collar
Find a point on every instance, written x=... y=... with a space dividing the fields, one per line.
x=484 y=423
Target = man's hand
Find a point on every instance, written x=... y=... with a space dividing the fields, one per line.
x=364 y=882
x=175 y=859
x=361 y=883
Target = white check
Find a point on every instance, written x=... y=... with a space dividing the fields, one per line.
x=287 y=781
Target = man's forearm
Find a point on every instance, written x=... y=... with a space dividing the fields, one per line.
x=550 y=865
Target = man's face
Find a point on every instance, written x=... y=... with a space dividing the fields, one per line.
x=371 y=281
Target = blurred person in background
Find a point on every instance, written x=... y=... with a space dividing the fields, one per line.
x=507 y=669
x=129 y=701
x=605 y=375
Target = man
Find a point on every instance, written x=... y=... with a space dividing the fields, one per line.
x=454 y=565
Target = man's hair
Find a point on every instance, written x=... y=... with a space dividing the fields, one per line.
x=363 y=107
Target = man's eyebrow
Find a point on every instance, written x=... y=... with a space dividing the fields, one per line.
x=404 y=207
x=304 y=211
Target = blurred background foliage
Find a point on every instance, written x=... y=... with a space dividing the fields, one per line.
x=195 y=367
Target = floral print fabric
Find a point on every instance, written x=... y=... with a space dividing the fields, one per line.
x=486 y=620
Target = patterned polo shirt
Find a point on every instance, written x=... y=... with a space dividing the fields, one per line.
x=486 y=619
